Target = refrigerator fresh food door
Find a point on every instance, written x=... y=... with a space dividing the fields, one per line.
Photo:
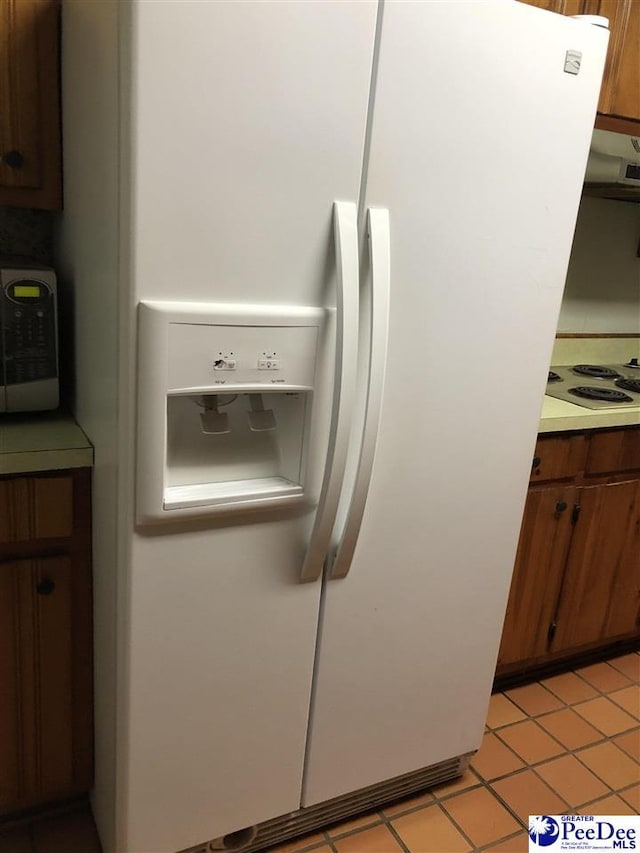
x=478 y=147
x=241 y=146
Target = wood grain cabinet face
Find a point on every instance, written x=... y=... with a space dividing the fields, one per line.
x=620 y=93
x=600 y=597
x=36 y=508
x=46 y=719
x=614 y=451
x=619 y=104
x=562 y=7
x=30 y=170
x=576 y=579
x=537 y=575
x=558 y=457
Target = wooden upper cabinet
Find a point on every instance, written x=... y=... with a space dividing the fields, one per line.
x=30 y=165
x=620 y=94
x=562 y=7
x=619 y=105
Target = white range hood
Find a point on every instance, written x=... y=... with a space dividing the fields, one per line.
x=613 y=168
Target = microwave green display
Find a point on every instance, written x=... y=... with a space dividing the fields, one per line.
x=28 y=291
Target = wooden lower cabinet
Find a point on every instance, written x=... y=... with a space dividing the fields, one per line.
x=544 y=543
x=46 y=720
x=576 y=579
x=601 y=591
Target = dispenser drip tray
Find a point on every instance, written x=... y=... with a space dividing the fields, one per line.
x=231 y=492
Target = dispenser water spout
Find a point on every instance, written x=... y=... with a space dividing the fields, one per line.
x=213 y=421
x=260 y=419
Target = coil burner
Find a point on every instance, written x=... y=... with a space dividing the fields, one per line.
x=609 y=395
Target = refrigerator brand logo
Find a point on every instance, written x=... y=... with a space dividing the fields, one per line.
x=572 y=61
x=583 y=832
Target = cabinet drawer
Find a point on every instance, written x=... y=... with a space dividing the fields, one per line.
x=36 y=508
x=558 y=457
x=614 y=451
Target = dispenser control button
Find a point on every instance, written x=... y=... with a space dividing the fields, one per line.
x=268 y=364
x=225 y=364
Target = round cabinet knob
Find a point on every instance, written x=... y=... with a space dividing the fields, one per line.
x=536 y=462
x=13 y=159
x=45 y=587
x=561 y=506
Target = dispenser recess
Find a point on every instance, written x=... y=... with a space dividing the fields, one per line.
x=225 y=397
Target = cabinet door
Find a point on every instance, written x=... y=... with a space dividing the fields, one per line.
x=600 y=594
x=45 y=742
x=563 y=7
x=29 y=103
x=542 y=553
x=620 y=94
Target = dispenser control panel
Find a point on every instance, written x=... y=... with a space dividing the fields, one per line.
x=213 y=355
x=229 y=405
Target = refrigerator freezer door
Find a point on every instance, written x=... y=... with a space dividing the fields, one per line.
x=241 y=144
x=478 y=148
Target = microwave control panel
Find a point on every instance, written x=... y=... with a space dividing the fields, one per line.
x=28 y=339
x=29 y=324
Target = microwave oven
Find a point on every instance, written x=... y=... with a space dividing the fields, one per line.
x=28 y=338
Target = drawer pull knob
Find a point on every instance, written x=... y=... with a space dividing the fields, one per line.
x=14 y=159
x=561 y=506
x=536 y=462
x=45 y=587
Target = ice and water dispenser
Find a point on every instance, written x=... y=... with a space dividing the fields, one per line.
x=225 y=396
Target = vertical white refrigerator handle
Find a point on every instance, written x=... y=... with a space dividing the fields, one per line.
x=380 y=249
x=345 y=228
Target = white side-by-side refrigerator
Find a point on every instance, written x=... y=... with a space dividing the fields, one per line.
x=317 y=253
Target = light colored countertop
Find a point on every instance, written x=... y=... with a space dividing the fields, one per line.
x=46 y=441
x=560 y=416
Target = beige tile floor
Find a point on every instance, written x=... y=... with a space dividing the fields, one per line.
x=567 y=744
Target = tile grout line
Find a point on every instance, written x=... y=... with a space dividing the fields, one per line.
x=511 y=837
x=487 y=787
x=597 y=689
x=614 y=790
x=398 y=838
x=570 y=750
x=566 y=706
x=456 y=825
x=565 y=750
x=600 y=690
x=577 y=750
